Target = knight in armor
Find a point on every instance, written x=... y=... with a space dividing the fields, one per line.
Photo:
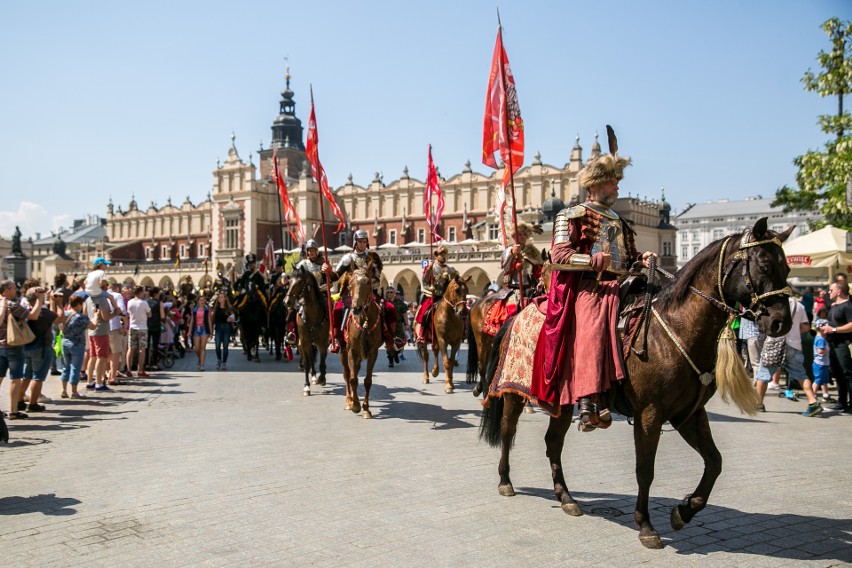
x=522 y=262
x=251 y=278
x=312 y=263
x=578 y=356
x=351 y=261
x=436 y=276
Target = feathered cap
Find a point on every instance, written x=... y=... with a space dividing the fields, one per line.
x=605 y=168
x=529 y=229
x=441 y=248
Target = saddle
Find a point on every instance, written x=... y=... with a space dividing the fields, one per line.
x=505 y=307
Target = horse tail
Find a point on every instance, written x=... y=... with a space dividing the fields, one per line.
x=492 y=413
x=472 y=371
x=731 y=378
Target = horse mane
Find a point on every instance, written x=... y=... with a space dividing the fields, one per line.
x=344 y=284
x=679 y=288
x=376 y=260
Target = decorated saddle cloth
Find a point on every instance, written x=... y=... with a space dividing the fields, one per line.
x=505 y=307
x=514 y=368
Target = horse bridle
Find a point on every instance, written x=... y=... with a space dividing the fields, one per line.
x=757 y=307
x=455 y=306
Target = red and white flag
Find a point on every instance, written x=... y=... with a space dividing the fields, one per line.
x=268 y=256
x=433 y=191
x=503 y=129
x=286 y=204
x=312 y=152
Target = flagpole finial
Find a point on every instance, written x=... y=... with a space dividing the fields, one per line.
x=499 y=25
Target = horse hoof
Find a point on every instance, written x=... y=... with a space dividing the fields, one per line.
x=434 y=372
x=314 y=381
x=651 y=541
x=306 y=391
x=356 y=407
x=321 y=382
x=367 y=414
x=572 y=509
x=347 y=406
x=528 y=409
x=477 y=390
x=676 y=520
x=425 y=380
x=449 y=390
x=506 y=490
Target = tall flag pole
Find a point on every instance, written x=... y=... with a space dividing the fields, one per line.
x=433 y=191
x=312 y=153
x=503 y=128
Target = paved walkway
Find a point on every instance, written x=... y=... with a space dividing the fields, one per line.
x=237 y=468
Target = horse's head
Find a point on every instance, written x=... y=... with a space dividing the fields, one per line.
x=361 y=289
x=298 y=286
x=755 y=275
x=456 y=295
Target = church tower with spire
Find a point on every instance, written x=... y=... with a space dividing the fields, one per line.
x=287 y=138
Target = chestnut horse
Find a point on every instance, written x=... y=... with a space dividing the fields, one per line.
x=448 y=315
x=680 y=370
x=313 y=324
x=363 y=333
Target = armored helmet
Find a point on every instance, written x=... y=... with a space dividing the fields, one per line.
x=311 y=244
x=361 y=234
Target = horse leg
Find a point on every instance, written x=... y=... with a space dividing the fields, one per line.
x=554 y=440
x=512 y=407
x=448 y=368
x=354 y=369
x=483 y=346
x=424 y=356
x=435 y=351
x=323 y=353
x=344 y=363
x=368 y=382
x=696 y=433
x=646 y=438
x=307 y=354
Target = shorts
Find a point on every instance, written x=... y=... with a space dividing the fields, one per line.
x=794 y=364
x=99 y=346
x=200 y=331
x=12 y=360
x=117 y=342
x=822 y=374
x=37 y=362
x=138 y=339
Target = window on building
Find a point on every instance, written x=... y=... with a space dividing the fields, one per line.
x=493 y=232
x=392 y=236
x=232 y=233
x=684 y=252
x=164 y=252
x=148 y=252
x=201 y=251
x=183 y=251
x=694 y=235
x=451 y=234
x=667 y=249
x=695 y=249
x=421 y=235
x=717 y=234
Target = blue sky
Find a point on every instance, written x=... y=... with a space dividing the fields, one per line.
x=113 y=99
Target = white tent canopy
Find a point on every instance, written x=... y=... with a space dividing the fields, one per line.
x=820 y=254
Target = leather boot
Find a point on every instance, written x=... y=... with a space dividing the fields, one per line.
x=588 y=413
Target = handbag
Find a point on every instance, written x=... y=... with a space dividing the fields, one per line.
x=17 y=332
x=774 y=351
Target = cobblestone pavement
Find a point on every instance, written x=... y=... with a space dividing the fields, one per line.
x=237 y=468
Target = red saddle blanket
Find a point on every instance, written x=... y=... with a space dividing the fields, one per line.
x=497 y=315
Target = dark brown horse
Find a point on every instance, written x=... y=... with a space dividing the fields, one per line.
x=313 y=324
x=363 y=333
x=448 y=316
x=749 y=268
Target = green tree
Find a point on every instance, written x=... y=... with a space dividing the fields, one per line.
x=823 y=175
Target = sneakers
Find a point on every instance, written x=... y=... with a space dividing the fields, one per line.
x=837 y=406
x=90 y=386
x=22 y=405
x=218 y=365
x=761 y=408
x=142 y=374
x=77 y=395
x=827 y=399
x=35 y=407
x=791 y=395
x=812 y=410
x=103 y=388
x=774 y=386
x=224 y=366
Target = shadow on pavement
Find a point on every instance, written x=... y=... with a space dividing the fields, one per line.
x=47 y=504
x=722 y=529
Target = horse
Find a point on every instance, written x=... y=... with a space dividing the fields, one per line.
x=479 y=343
x=277 y=328
x=448 y=319
x=363 y=337
x=313 y=324
x=251 y=309
x=673 y=377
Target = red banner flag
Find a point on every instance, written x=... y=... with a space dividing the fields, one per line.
x=312 y=152
x=433 y=190
x=287 y=206
x=268 y=261
x=503 y=129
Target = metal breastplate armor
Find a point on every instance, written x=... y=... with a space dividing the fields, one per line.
x=611 y=239
x=441 y=276
x=314 y=268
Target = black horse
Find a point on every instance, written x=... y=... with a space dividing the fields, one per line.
x=277 y=328
x=679 y=371
x=251 y=308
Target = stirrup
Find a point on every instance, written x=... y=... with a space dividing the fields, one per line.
x=290 y=339
x=587 y=411
x=335 y=347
